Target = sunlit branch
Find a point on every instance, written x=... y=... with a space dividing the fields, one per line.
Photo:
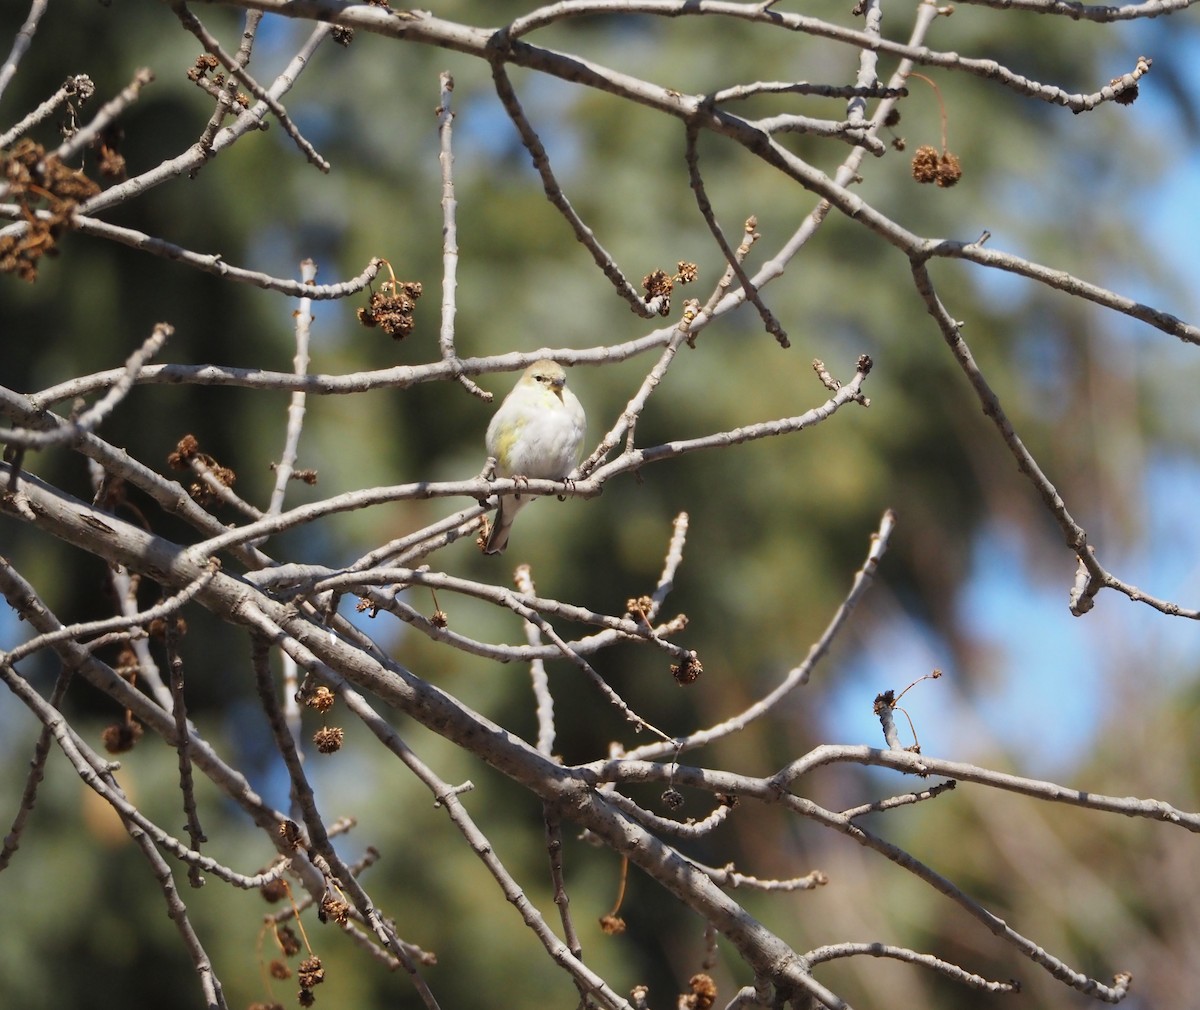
x=798 y=676
x=238 y=71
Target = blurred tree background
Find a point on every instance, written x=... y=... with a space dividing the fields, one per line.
x=975 y=582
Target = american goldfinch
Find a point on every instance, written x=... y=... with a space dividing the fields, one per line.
x=537 y=432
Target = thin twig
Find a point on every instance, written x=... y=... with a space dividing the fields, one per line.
x=287 y=459
x=318 y=834
x=21 y=43
x=798 y=676
x=544 y=709
x=1101 y=13
x=774 y=789
x=739 y=92
x=953 y=972
x=505 y=46
x=554 y=192
x=78 y=86
x=25 y=601
x=96 y=773
x=195 y=831
x=237 y=70
x=554 y=850
x=107 y=114
x=697 y=183
x=140 y=618
x=37 y=765
x=727 y=876
x=665 y=825
x=447 y=796
x=445 y=117
x=1075 y=535
x=214 y=264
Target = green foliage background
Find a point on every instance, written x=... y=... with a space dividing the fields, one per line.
x=777 y=527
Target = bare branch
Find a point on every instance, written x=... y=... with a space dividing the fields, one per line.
x=215 y=265
x=554 y=192
x=798 y=676
x=951 y=971
x=706 y=211
x=80 y=86
x=105 y=117
x=237 y=69
x=291 y=599
x=450 y=236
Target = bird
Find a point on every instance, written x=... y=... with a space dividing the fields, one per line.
x=536 y=432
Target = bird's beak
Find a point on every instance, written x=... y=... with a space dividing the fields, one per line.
x=558 y=388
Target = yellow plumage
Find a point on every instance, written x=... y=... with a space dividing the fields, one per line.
x=537 y=432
